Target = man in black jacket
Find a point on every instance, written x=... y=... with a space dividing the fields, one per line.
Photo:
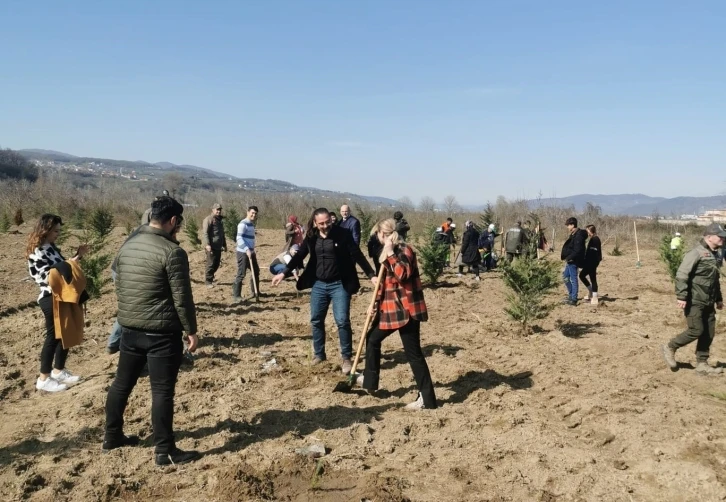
x=331 y=274
x=402 y=226
x=573 y=254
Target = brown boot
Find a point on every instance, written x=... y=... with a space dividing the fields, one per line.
x=702 y=368
x=669 y=355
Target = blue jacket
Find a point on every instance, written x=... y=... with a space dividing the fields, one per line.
x=353 y=225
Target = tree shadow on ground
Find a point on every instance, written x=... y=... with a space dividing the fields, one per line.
x=253 y=340
x=272 y=424
x=442 y=285
x=488 y=379
x=235 y=309
x=14 y=310
x=399 y=357
x=578 y=330
x=85 y=438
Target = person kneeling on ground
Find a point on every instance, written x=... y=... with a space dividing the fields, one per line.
x=697 y=290
x=400 y=306
x=280 y=262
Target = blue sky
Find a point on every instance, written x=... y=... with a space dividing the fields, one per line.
x=470 y=98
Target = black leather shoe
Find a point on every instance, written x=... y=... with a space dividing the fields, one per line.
x=176 y=457
x=126 y=441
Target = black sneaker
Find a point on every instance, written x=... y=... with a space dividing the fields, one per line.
x=572 y=303
x=125 y=441
x=177 y=456
x=112 y=349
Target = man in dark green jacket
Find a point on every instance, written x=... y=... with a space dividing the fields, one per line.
x=155 y=305
x=697 y=291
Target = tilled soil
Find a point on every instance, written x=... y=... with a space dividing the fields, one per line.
x=584 y=409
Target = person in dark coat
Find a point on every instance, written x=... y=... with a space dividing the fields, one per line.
x=573 y=254
x=593 y=257
x=374 y=250
x=402 y=226
x=470 y=254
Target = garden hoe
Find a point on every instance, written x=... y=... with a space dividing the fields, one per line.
x=348 y=383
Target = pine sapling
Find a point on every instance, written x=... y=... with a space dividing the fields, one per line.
x=191 y=228
x=671 y=258
x=230 y=222
x=529 y=280
x=432 y=255
x=4 y=223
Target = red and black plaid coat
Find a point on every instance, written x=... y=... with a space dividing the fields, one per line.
x=401 y=297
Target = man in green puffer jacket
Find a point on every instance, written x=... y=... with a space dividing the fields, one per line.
x=155 y=305
x=698 y=289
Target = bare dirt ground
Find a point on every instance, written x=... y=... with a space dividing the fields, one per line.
x=585 y=409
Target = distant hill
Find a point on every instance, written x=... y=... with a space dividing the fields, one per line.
x=638 y=204
x=156 y=169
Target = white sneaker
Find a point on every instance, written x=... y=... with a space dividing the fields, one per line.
x=49 y=385
x=65 y=376
x=416 y=405
x=359 y=380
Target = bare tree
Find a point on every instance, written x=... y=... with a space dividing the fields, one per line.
x=427 y=205
x=174 y=183
x=405 y=204
x=451 y=205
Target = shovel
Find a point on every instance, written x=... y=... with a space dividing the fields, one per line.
x=348 y=383
x=637 y=251
x=254 y=283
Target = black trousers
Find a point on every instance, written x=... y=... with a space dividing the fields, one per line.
x=214 y=258
x=592 y=272
x=243 y=264
x=164 y=355
x=51 y=347
x=474 y=266
x=411 y=339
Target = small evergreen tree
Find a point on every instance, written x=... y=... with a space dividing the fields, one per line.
x=230 y=222
x=672 y=258
x=18 y=218
x=4 y=223
x=487 y=217
x=616 y=250
x=191 y=228
x=433 y=255
x=366 y=223
x=96 y=229
x=529 y=280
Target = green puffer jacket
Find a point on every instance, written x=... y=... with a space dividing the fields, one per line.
x=697 y=279
x=153 y=285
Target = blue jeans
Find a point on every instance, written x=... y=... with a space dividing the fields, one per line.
x=114 y=338
x=320 y=297
x=277 y=269
x=569 y=276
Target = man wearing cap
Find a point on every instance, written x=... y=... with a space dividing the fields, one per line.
x=698 y=290
x=214 y=242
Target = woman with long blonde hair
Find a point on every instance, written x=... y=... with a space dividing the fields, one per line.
x=42 y=254
x=400 y=307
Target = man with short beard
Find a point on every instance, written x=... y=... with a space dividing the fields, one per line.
x=331 y=274
x=155 y=306
x=214 y=242
x=698 y=289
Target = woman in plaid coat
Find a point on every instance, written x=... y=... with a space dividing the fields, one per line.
x=400 y=307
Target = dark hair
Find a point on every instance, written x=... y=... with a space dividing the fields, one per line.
x=592 y=229
x=250 y=208
x=571 y=221
x=164 y=193
x=449 y=220
x=311 y=222
x=42 y=228
x=332 y=213
x=398 y=215
x=164 y=208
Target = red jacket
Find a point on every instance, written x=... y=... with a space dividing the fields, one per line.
x=401 y=297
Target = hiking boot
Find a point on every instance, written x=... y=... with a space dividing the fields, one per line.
x=177 y=456
x=64 y=376
x=50 y=384
x=124 y=441
x=417 y=405
x=317 y=360
x=346 y=366
x=669 y=355
x=703 y=368
x=571 y=303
